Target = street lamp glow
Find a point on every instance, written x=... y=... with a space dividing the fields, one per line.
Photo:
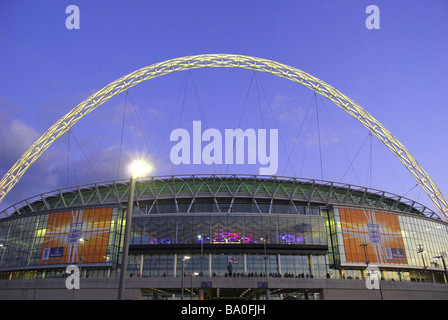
x=140 y=168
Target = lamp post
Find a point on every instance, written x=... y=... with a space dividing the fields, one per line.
x=364 y=245
x=83 y=241
x=202 y=251
x=182 y=278
x=193 y=274
x=420 y=250
x=138 y=169
x=266 y=266
x=444 y=266
x=265 y=255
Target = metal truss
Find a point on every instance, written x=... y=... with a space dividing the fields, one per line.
x=270 y=189
x=226 y=61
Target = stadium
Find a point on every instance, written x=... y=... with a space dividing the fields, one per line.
x=223 y=236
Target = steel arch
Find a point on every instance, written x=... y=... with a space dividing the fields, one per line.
x=226 y=61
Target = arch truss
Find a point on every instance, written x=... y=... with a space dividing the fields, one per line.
x=226 y=61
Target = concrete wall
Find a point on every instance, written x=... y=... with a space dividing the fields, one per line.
x=330 y=289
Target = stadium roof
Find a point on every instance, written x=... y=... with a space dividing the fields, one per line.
x=308 y=192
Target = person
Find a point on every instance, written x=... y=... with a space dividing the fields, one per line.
x=229 y=268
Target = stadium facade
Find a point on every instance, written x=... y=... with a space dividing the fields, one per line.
x=224 y=236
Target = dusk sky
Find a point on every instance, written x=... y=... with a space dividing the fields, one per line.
x=398 y=73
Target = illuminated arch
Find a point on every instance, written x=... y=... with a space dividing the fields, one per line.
x=222 y=61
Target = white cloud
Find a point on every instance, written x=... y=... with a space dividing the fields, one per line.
x=15 y=138
x=288 y=111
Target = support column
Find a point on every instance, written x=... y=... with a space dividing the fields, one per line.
x=210 y=265
x=279 y=264
x=141 y=265
x=175 y=265
x=268 y=294
x=310 y=261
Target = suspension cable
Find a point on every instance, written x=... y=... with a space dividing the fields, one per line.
x=297 y=138
x=340 y=140
x=369 y=168
x=171 y=118
x=182 y=108
x=202 y=113
x=146 y=142
x=68 y=157
x=241 y=116
x=276 y=125
x=122 y=133
x=318 y=134
x=351 y=163
x=85 y=156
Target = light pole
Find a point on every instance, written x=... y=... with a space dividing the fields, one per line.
x=364 y=245
x=183 y=271
x=420 y=250
x=83 y=241
x=444 y=265
x=265 y=256
x=138 y=169
x=202 y=251
x=268 y=295
x=193 y=274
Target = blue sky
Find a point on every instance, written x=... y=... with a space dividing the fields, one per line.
x=398 y=73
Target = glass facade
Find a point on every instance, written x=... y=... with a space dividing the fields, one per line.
x=217 y=265
x=404 y=247
x=228 y=229
x=48 y=240
x=301 y=241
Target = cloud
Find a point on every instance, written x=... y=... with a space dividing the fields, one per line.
x=326 y=137
x=15 y=138
x=98 y=159
x=287 y=110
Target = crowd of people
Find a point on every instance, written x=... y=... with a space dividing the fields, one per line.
x=255 y=275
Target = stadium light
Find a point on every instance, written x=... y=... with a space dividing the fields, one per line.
x=139 y=168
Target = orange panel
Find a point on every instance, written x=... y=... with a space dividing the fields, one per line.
x=380 y=230
x=64 y=229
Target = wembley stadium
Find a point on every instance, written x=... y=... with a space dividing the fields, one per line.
x=206 y=237
x=221 y=236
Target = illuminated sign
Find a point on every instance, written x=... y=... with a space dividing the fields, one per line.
x=230 y=237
